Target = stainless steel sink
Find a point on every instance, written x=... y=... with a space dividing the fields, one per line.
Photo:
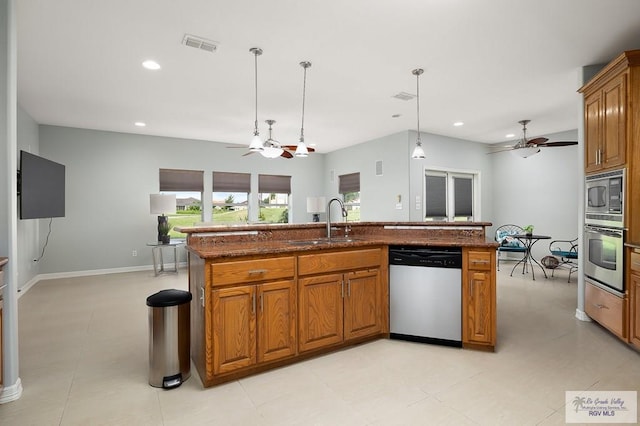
x=316 y=241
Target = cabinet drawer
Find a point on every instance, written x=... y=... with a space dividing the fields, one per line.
x=338 y=261
x=634 y=264
x=479 y=260
x=245 y=271
x=606 y=308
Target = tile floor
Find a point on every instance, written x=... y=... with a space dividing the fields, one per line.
x=83 y=361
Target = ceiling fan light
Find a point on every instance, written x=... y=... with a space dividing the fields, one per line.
x=271 y=152
x=525 y=152
x=256 y=143
x=418 y=151
x=301 y=150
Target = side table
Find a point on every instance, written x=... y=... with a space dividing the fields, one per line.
x=158 y=260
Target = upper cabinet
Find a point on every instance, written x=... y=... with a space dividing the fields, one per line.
x=608 y=117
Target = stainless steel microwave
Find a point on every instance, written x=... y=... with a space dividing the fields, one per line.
x=605 y=199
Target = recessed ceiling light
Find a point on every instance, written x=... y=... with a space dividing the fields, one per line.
x=151 y=65
x=458 y=123
x=140 y=124
x=510 y=135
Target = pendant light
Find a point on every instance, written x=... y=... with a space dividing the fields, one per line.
x=301 y=149
x=418 y=152
x=256 y=143
x=271 y=147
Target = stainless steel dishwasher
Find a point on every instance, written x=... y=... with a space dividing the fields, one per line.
x=425 y=294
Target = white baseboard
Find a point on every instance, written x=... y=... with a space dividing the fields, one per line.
x=582 y=316
x=11 y=392
x=73 y=274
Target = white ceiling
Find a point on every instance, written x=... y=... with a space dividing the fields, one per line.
x=487 y=63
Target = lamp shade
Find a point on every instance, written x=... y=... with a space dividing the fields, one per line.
x=162 y=203
x=525 y=152
x=316 y=204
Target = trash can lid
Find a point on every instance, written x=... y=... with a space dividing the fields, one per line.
x=170 y=297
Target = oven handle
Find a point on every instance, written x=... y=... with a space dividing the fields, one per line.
x=603 y=231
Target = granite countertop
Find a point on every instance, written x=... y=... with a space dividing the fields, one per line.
x=311 y=225
x=248 y=248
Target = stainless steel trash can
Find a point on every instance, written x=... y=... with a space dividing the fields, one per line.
x=169 y=338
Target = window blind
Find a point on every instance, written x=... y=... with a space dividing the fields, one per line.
x=463 y=196
x=268 y=184
x=231 y=182
x=181 y=180
x=435 y=202
x=349 y=183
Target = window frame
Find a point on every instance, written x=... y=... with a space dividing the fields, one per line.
x=349 y=183
x=450 y=176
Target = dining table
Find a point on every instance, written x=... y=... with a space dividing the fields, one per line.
x=528 y=240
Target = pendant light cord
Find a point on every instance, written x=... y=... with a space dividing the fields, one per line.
x=255 y=57
x=418 y=101
x=304 y=94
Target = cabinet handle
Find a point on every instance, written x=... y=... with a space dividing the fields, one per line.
x=257 y=271
x=253 y=303
x=202 y=296
x=481 y=262
x=342 y=288
x=600 y=306
x=471 y=288
x=261 y=302
x=349 y=288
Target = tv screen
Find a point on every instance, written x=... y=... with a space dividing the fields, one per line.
x=41 y=187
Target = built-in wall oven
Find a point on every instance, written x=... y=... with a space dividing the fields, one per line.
x=604 y=230
x=603 y=264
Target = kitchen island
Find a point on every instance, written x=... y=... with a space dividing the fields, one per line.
x=270 y=295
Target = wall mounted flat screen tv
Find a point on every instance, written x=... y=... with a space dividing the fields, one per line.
x=41 y=187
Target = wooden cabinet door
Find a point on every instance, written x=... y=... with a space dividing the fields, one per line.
x=276 y=320
x=593 y=127
x=479 y=324
x=614 y=123
x=320 y=307
x=362 y=304
x=234 y=328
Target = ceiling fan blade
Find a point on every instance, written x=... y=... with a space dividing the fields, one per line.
x=501 y=150
x=286 y=154
x=249 y=153
x=293 y=148
x=537 y=141
x=237 y=146
x=560 y=143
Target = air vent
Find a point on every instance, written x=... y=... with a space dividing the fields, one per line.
x=200 y=43
x=404 y=96
x=379 y=168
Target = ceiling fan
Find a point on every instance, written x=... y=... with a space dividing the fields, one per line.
x=271 y=148
x=526 y=147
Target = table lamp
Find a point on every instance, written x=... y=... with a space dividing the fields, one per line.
x=161 y=204
x=316 y=205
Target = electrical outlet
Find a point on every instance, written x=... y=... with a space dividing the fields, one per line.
x=134 y=253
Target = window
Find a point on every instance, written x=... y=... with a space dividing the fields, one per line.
x=231 y=197
x=188 y=186
x=273 y=193
x=349 y=188
x=449 y=196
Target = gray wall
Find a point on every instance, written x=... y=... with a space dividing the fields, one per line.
x=109 y=178
x=110 y=175
x=378 y=194
x=28 y=235
x=542 y=190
